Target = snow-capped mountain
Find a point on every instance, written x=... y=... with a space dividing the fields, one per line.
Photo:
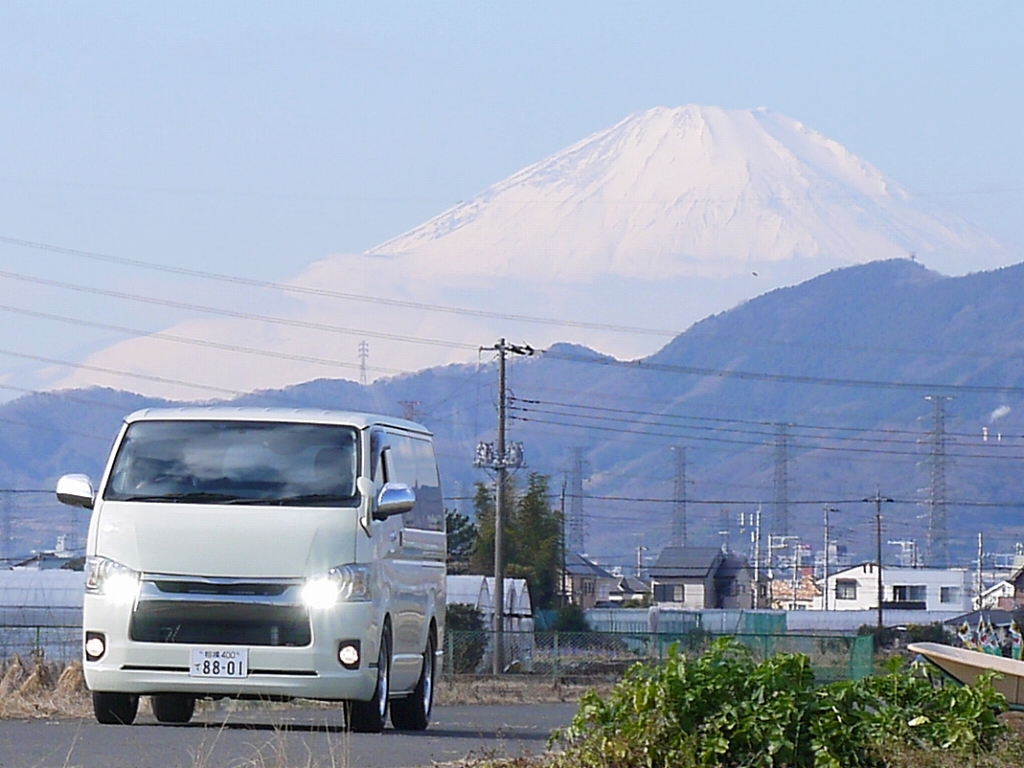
x=618 y=242
x=693 y=191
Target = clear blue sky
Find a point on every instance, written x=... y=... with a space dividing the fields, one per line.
x=250 y=137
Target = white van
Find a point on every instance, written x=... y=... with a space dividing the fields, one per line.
x=265 y=554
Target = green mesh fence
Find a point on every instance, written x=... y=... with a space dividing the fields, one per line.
x=607 y=655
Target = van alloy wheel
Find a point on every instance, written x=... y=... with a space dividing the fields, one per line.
x=370 y=716
x=413 y=712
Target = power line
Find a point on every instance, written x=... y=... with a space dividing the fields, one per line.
x=231 y=313
x=327 y=293
x=641 y=365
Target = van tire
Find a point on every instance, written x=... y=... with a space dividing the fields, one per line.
x=115 y=708
x=173 y=707
x=412 y=713
x=370 y=716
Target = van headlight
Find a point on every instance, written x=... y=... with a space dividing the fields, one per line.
x=344 y=584
x=108 y=577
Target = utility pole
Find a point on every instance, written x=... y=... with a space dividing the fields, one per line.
x=575 y=535
x=640 y=561
x=796 y=572
x=679 y=499
x=780 y=521
x=981 y=558
x=878 y=499
x=564 y=592
x=757 y=558
x=500 y=458
x=824 y=581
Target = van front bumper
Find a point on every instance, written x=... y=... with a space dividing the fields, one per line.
x=274 y=671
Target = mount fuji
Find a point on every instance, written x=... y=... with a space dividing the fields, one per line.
x=619 y=242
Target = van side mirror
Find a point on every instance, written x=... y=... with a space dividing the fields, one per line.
x=394 y=499
x=76 y=491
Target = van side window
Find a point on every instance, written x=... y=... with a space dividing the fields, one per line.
x=412 y=460
x=379 y=442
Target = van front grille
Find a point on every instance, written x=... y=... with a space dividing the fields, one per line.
x=220 y=623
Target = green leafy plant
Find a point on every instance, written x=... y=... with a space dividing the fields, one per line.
x=725 y=709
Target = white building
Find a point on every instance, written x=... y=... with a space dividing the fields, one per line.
x=926 y=589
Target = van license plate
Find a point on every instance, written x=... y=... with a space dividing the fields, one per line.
x=219 y=662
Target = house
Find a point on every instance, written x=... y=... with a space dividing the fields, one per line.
x=1016 y=600
x=628 y=589
x=702 y=577
x=585 y=583
x=1000 y=595
x=925 y=589
x=801 y=595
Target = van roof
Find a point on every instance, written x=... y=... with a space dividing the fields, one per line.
x=297 y=415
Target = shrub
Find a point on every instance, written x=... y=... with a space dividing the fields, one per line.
x=723 y=709
x=570 y=619
x=468 y=637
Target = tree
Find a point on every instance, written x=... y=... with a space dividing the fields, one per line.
x=462 y=538
x=532 y=537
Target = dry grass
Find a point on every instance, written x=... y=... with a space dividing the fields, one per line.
x=37 y=689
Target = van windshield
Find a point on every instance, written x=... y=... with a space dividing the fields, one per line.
x=235 y=462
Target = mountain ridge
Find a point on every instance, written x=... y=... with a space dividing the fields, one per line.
x=843 y=361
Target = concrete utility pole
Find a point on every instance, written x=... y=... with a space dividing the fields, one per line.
x=981 y=559
x=780 y=521
x=679 y=498
x=878 y=499
x=501 y=459
x=824 y=581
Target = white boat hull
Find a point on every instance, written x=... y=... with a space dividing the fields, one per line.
x=967 y=666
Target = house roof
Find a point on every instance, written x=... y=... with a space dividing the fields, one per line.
x=627 y=585
x=687 y=562
x=996 y=617
x=578 y=565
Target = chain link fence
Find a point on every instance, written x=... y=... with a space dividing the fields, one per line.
x=607 y=655
x=62 y=644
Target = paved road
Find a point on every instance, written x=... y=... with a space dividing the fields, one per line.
x=289 y=738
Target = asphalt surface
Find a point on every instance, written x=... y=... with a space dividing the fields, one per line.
x=282 y=738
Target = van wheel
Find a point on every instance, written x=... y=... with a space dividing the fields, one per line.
x=115 y=708
x=413 y=712
x=370 y=716
x=173 y=707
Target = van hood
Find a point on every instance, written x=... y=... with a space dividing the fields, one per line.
x=226 y=541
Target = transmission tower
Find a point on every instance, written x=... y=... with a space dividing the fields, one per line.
x=574 y=537
x=679 y=533
x=780 y=520
x=938 y=541
x=7 y=512
x=364 y=355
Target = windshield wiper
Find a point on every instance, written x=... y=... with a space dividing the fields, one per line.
x=189 y=497
x=308 y=499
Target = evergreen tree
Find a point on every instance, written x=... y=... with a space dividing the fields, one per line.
x=462 y=538
x=532 y=538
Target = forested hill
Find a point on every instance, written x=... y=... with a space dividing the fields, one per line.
x=837 y=369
